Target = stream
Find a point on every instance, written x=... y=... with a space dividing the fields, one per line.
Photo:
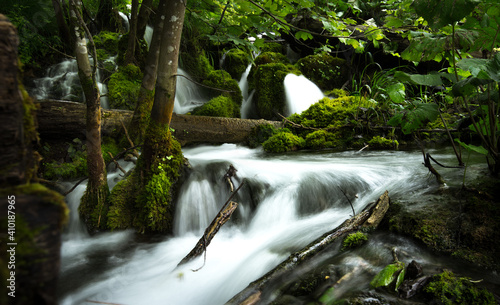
x=288 y=200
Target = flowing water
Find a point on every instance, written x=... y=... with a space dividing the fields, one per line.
x=286 y=202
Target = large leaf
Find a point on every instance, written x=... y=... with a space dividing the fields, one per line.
x=467 y=86
x=415 y=116
x=479 y=149
x=483 y=68
x=431 y=80
x=441 y=13
x=388 y=275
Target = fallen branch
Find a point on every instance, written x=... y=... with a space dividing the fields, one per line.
x=283 y=274
x=222 y=217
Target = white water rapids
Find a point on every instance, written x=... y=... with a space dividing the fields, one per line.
x=288 y=201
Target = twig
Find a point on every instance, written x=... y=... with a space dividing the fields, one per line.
x=74 y=186
x=349 y=200
x=116 y=163
x=366 y=146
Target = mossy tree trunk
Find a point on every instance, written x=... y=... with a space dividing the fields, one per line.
x=144 y=104
x=143 y=17
x=144 y=200
x=93 y=204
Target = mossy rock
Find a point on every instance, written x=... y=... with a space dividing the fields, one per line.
x=320 y=139
x=283 y=141
x=269 y=97
x=220 y=79
x=378 y=142
x=221 y=106
x=124 y=86
x=446 y=288
x=326 y=71
x=274 y=47
x=108 y=42
x=260 y=134
x=328 y=113
x=236 y=62
x=196 y=65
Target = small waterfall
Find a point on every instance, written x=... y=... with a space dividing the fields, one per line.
x=300 y=93
x=247 y=97
x=63 y=83
x=187 y=94
x=148 y=35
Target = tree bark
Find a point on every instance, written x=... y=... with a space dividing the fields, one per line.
x=132 y=34
x=163 y=105
x=143 y=17
x=281 y=275
x=97 y=187
x=63 y=26
x=146 y=94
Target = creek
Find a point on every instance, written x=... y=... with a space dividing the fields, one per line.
x=287 y=201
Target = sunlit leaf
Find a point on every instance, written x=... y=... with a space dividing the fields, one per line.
x=479 y=149
x=397 y=93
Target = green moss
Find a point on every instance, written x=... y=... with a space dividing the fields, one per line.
x=283 y=141
x=109 y=145
x=93 y=208
x=196 y=65
x=323 y=139
x=326 y=71
x=328 y=113
x=124 y=86
x=270 y=57
x=67 y=170
x=379 y=142
x=221 y=79
x=122 y=210
x=273 y=47
x=269 y=97
x=144 y=200
x=221 y=106
x=446 y=288
x=141 y=50
x=260 y=134
x=236 y=62
x=108 y=42
x=354 y=240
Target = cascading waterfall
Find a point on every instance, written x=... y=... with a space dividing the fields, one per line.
x=187 y=94
x=63 y=83
x=300 y=94
x=287 y=201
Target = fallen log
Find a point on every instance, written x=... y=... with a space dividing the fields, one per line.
x=66 y=120
x=255 y=292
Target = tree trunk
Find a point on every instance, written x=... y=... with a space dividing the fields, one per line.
x=284 y=273
x=105 y=17
x=132 y=35
x=163 y=105
x=92 y=206
x=144 y=104
x=63 y=26
x=143 y=17
x=36 y=213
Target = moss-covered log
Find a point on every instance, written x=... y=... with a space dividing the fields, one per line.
x=66 y=121
x=256 y=291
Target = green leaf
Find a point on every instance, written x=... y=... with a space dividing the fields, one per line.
x=415 y=116
x=303 y=35
x=385 y=277
x=479 y=149
x=483 y=68
x=432 y=79
x=441 y=13
x=397 y=93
